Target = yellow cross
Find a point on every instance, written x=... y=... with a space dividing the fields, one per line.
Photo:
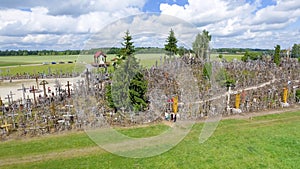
x=6 y=126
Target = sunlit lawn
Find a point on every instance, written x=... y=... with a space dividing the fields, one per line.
x=264 y=142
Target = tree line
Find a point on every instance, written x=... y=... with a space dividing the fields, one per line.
x=37 y=52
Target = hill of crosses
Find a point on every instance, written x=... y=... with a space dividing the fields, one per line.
x=178 y=89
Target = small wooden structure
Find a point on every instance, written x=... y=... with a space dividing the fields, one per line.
x=100 y=59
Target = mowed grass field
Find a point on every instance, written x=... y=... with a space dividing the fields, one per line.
x=271 y=141
x=12 y=65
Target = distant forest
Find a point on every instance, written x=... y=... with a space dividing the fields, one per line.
x=114 y=50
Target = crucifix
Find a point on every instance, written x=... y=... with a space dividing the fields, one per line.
x=68 y=85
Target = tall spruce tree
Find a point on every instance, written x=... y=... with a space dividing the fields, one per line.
x=128 y=88
x=128 y=47
x=277 y=55
x=171 y=46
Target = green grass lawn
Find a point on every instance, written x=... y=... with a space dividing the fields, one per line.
x=264 y=142
x=55 y=68
x=228 y=57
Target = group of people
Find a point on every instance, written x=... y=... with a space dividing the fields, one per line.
x=171 y=116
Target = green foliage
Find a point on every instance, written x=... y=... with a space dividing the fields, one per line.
x=298 y=95
x=121 y=81
x=182 y=51
x=201 y=44
x=277 y=55
x=108 y=96
x=137 y=92
x=224 y=78
x=171 y=46
x=296 y=51
x=207 y=70
x=220 y=56
x=251 y=56
x=128 y=88
x=128 y=48
x=38 y=52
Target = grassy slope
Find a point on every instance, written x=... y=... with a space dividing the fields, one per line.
x=264 y=142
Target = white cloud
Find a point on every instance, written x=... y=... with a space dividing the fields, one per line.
x=239 y=20
x=69 y=24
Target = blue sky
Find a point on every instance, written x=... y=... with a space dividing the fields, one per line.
x=153 y=6
x=74 y=24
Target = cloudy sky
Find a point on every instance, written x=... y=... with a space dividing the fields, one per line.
x=79 y=24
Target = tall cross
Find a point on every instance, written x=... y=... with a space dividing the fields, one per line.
x=37 y=82
x=11 y=96
x=44 y=82
x=24 y=91
x=33 y=90
x=68 y=85
x=87 y=73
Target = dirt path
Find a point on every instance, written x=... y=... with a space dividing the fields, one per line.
x=67 y=154
x=262 y=113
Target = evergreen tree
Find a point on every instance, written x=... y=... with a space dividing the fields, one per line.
x=171 y=46
x=296 y=51
x=128 y=88
x=137 y=92
x=277 y=55
x=128 y=47
x=201 y=44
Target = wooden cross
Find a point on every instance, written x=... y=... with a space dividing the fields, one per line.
x=44 y=82
x=24 y=91
x=5 y=125
x=33 y=90
x=37 y=82
x=10 y=98
x=68 y=85
x=87 y=73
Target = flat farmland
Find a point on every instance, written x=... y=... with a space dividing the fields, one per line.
x=12 y=65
